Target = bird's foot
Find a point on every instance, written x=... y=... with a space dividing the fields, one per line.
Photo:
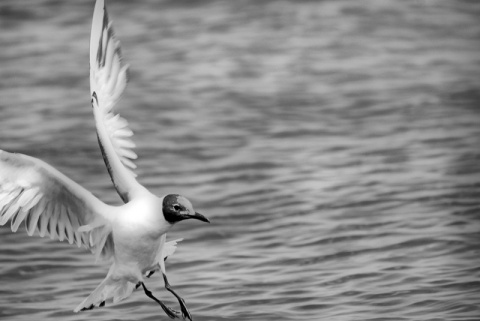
x=185 y=313
x=173 y=314
x=183 y=306
x=169 y=311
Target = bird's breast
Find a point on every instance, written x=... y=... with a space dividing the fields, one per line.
x=137 y=232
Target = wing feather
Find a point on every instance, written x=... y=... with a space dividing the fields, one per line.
x=18 y=218
x=169 y=248
x=33 y=192
x=108 y=79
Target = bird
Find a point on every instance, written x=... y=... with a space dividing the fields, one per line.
x=132 y=235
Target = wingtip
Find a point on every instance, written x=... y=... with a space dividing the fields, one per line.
x=100 y=17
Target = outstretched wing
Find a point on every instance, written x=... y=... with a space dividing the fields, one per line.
x=108 y=79
x=33 y=192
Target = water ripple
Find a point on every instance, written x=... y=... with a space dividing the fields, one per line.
x=333 y=144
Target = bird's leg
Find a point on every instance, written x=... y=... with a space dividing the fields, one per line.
x=181 y=301
x=169 y=311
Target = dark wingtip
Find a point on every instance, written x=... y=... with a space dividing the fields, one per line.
x=94 y=96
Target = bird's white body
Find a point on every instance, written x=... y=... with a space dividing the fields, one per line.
x=138 y=231
x=131 y=236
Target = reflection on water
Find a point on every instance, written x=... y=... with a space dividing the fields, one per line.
x=334 y=144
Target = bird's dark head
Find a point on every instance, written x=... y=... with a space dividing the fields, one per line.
x=177 y=208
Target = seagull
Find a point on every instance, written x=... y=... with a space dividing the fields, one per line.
x=132 y=236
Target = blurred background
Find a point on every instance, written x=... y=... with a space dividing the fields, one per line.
x=333 y=144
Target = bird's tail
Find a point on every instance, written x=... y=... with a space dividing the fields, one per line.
x=108 y=288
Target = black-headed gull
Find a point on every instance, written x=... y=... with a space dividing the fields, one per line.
x=133 y=235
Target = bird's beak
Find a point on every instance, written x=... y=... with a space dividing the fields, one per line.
x=199 y=216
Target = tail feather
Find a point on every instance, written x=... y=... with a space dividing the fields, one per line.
x=107 y=289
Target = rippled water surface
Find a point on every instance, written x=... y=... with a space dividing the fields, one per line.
x=335 y=145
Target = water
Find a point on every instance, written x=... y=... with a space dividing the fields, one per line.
x=333 y=144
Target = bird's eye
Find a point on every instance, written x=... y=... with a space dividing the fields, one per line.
x=176 y=208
